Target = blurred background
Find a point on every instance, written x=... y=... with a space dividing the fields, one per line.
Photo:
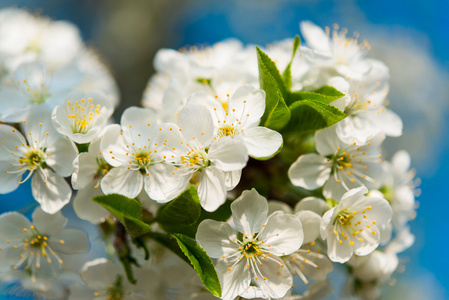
x=411 y=37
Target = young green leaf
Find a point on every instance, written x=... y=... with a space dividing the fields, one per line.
x=324 y=98
x=270 y=81
x=287 y=75
x=329 y=91
x=279 y=116
x=201 y=263
x=312 y=114
x=183 y=211
x=127 y=211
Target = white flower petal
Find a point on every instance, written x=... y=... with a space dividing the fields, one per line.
x=134 y=123
x=112 y=146
x=262 y=142
x=275 y=279
x=47 y=223
x=162 y=184
x=282 y=234
x=61 y=156
x=196 y=123
x=9 y=181
x=310 y=171
x=53 y=194
x=232 y=178
x=211 y=188
x=85 y=208
x=310 y=224
x=216 y=238
x=248 y=102
x=85 y=167
x=228 y=154
x=122 y=181
x=233 y=282
x=327 y=141
x=317 y=205
x=249 y=212
x=10 y=138
x=69 y=241
x=315 y=37
x=99 y=273
x=12 y=225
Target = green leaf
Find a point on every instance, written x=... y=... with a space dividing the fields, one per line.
x=279 y=116
x=127 y=211
x=287 y=75
x=312 y=114
x=183 y=211
x=201 y=263
x=270 y=81
x=301 y=95
x=221 y=214
x=329 y=91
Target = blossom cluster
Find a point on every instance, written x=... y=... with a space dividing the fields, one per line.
x=214 y=122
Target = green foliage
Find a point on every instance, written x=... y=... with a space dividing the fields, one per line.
x=127 y=211
x=287 y=75
x=325 y=94
x=183 y=211
x=279 y=116
x=188 y=250
x=272 y=83
x=201 y=263
x=312 y=114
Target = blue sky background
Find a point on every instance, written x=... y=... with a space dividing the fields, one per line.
x=424 y=28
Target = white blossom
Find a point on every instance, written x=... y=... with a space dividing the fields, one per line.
x=338 y=166
x=44 y=153
x=250 y=265
x=354 y=225
x=32 y=246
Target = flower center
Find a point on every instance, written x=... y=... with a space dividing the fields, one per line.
x=227 y=130
x=33 y=159
x=251 y=248
x=143 y=159
x=196 y=157
x=82 y=114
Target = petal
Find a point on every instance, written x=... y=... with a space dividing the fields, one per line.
x=162 y=184
x=211 y=188
x=310 y=224
x=217 y=239
x=232 y=178
x=11 y=100
x=327 y=141
x=61 y=156
x=275 y=279
x=85 y=208
x=38 y=123
x=274 y=205
x=234 y=281
x=337 y=252
x=9 y=181
x=85 y=167
x=249 y=104
x=12 y=225
x=317 y=205
x=196 y=123
x=228 y=154
x=9 y=139
x=69 y=241
x=315 y=37
x=401 y=162
x=122 y=181
x=282 y=234
x=309 y=171
x=249 y=212
x=113 y=145
x=47 y=223
x=50 y=190
x=262 y=143
x=134 y=123
x=99 y=273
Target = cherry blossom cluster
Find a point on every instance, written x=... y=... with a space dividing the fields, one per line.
x=203 y=127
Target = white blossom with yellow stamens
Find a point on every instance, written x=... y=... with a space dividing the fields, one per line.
x=354 y=225
x=44 y=153
x=207 y=157
x=363 y=104
x=141 y=152
x=83 y=116
x=89 y=168
x=32 y=246
x=248 y=258
x=34 y=84
x=333 y=54
x=239 y=116
x=338 y=166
